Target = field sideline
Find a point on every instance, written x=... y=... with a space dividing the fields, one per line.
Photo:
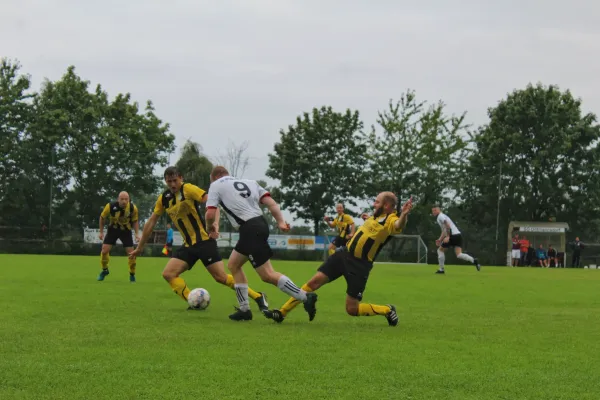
x=501 y=333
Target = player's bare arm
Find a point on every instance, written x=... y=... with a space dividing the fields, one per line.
x=148 y=228
x=328 y=222
x=352 y=231
x=101 y=223
x=212 y=216
x=136 y=229
x=276 y=212
x=403 y=219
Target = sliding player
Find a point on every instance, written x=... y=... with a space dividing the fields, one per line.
x=356 y=261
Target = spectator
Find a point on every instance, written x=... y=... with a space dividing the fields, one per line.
x=577 y=246
x=530 y=258
x=552 y=257
x=516 y=251
x=524 y=250
x=542 y=257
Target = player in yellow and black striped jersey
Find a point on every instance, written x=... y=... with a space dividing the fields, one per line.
x=122 y=216
x=344 y=225
x=355 y=263
x=182 y=203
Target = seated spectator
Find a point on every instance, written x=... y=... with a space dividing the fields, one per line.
x=552 y=260
x=542 y=257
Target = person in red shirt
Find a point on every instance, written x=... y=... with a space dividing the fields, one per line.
x=524 y=249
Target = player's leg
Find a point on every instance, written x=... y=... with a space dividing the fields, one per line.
x=110 y=239
x=329 y=271
x=441 y=253
x=465 y=257
x=127 y=240
x=217 y=271
x=285 y=284
x=184 y=260
x=234 y=264
x=356 y=274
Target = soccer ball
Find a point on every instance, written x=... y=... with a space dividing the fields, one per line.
x=199 y=299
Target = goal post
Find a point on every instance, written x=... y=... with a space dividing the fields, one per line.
x=401 y=249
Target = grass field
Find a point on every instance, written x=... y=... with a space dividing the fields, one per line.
x=498 y=334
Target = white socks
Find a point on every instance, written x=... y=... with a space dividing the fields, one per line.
x=241 y=290
x=286 y=285
x=441 y=259
x=466 y=257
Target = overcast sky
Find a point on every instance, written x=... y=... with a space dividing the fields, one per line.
x=219 y=70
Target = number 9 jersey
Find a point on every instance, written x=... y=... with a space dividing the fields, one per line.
x=239 y=198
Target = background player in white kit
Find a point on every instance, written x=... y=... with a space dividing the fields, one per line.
x=450 y=237
x=241 y=199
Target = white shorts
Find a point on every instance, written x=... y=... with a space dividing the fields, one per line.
x=516 y=254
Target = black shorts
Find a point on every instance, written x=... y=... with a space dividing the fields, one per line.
x=254 y=241
x=339 y=241
x=355 y=271
x=114 y=234
x=169 y=244
x=205 y=251
x=454 y=241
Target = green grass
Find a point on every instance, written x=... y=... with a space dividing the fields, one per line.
x=498 y=334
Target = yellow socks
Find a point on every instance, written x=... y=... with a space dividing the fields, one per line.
x=132 y=264
x=104 y=259
x=251 y=293
x=180 y=288
x=372 y=309
x=292 y=302
x=331 y=251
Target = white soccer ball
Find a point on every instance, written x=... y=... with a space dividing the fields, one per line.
x=199 y=298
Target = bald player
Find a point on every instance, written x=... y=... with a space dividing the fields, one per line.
x=122 y=217
x=355 y=261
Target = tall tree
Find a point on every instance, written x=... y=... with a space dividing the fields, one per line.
x=15 y=117
x=418 y=150
x=320 y=160
x=194 y=165
x=547 y=151
x=102 y=147
x=235 y=158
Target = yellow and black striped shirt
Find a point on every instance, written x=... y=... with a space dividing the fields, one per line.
x=183 y=208
x=343 y=224
x=120 y=218
x=372 y=236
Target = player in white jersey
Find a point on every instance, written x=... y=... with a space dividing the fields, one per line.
x=450 y=237
x=241 y=200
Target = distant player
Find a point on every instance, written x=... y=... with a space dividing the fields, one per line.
x=450 y=237
x=355 y=262
x=122 y=216
x=241 y=200
x=345 y=227
x=169 y=244
x=182 y=203
x=516 y=251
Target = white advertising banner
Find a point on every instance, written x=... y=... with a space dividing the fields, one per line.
x=541 y=229
x=277 y=242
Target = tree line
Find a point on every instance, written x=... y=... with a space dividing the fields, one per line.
x=68 y=148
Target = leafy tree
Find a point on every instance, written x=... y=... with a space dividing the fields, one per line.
x=319 y=161
x=546 y=149
x=15 y=117
x=97 y=146
x=194 y=165
x=420 y=152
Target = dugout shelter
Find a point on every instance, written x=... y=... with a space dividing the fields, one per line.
x=537 y=233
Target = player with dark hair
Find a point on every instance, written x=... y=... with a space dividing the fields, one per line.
x=450 y=237
x=356 y=261
x=241 y=200
x=181 y=201
x=122 y=217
